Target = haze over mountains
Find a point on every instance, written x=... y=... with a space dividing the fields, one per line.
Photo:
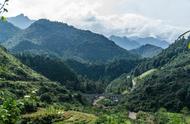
x=135 y=42
x=128 y=43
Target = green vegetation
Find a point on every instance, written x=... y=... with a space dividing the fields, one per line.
x=53 y=68
x=9 y=110
x=168 y=87
x=122 y=84
x=58 y=116
x=157 y=89
x=88 y=78
x=13 y=69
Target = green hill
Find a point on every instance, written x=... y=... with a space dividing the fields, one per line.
x=163 y=58
x=167 y=87
x=13 y=69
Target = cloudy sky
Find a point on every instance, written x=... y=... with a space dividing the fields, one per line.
x=158 y=18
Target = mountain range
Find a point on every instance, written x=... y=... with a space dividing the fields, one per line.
x=125 y=42
x=60 y=72
x=65 y=41
x=135 y=42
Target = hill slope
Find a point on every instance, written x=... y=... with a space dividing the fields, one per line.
x=66 y=41
x=147 y=51
x=13 y=69
x=21 y=83
x=168 y=86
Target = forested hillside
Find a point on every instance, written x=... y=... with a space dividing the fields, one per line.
x=166 y=87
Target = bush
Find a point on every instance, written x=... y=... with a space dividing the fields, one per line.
x=29 y=106
x=46 y=97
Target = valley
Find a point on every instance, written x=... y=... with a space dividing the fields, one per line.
x=55 y=73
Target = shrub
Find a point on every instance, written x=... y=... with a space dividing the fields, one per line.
x=46 y=97
x=9 y=111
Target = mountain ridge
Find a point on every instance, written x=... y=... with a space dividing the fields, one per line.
x=68 y=42
x=135 y=42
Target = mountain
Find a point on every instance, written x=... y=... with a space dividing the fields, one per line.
x=165 y=80
x=44 y=36
x=125 y=42
x=135 y=42
x=151 y=40
x=147 y=51
x=20 y=21
x=7 y=30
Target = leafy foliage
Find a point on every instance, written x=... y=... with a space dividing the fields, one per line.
x=9 y=110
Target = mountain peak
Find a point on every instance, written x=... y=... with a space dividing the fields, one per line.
x=21 y=21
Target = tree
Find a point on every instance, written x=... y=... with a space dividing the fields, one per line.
x=3 y=9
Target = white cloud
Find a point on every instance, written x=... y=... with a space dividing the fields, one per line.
x=108 y=17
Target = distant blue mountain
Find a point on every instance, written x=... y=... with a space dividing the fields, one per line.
x=135 y=42
x=125 y=42
x=152 y=41
x=21 y=21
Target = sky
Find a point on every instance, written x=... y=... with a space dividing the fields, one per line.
x=165 y=19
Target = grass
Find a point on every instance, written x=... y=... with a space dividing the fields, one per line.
x=187 y=119
x=59 y=116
